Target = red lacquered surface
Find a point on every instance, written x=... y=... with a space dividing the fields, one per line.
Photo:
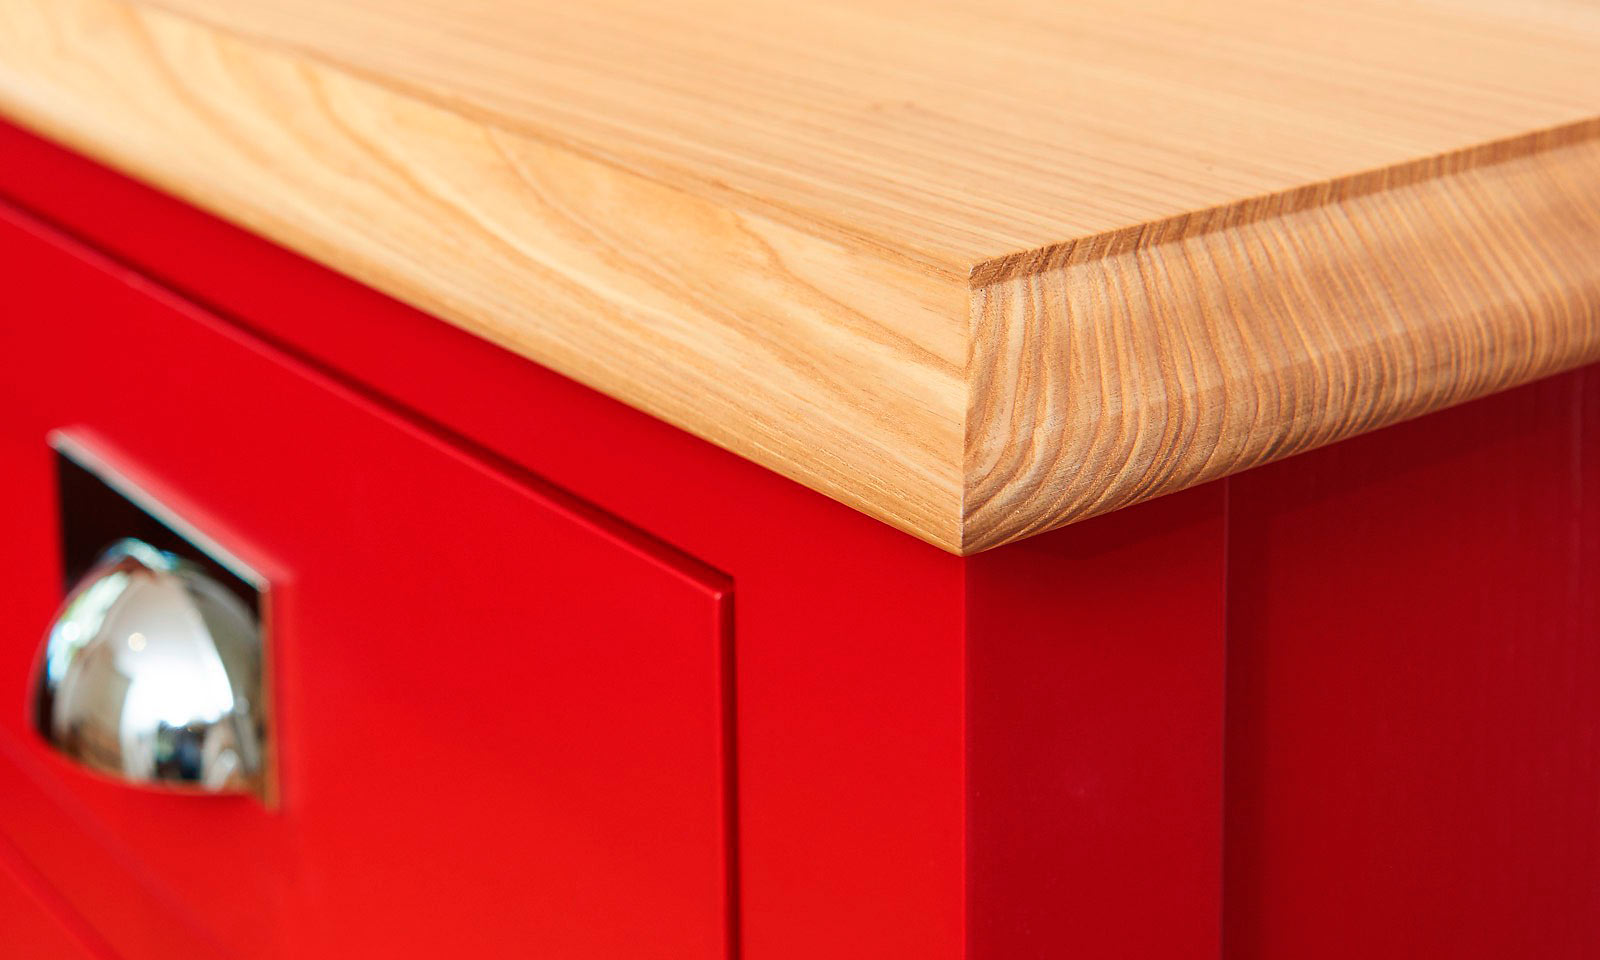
x=32 y=924
x=499 y=718
x=1414 y=690
x=1095 y=684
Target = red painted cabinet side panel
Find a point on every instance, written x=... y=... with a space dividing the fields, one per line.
x=1414 y=689
x=1095 y=659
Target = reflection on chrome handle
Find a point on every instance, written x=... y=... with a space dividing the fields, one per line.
x=152 y=673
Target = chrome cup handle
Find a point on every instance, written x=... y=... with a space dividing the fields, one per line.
x=151 y=673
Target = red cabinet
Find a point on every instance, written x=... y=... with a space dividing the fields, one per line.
x=1344 y=704
x=499 y=716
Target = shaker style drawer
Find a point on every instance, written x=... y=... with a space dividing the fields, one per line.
x=495 y=720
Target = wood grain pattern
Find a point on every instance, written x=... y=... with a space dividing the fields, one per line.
x=958 y=131
x=754 y=334
x=975 y=269
x=1143 y=363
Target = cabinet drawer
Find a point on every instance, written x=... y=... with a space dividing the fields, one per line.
x=498 y=718
x=28 y=926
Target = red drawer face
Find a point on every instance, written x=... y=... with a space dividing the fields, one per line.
x=498 y=720
x=29 y=925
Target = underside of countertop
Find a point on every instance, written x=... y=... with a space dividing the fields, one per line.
x=976 y=269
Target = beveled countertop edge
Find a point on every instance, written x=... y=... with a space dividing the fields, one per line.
x=1116 y=369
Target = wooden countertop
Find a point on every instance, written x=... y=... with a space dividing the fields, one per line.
x=978 y=269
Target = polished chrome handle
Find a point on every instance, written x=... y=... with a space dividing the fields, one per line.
x=152 y=673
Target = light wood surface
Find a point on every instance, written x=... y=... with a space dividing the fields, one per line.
x=977 y=269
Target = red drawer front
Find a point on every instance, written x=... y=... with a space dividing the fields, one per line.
x=30 y=922
x=499 y=718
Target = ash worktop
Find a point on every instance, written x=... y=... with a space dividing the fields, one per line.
x=977 y=269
